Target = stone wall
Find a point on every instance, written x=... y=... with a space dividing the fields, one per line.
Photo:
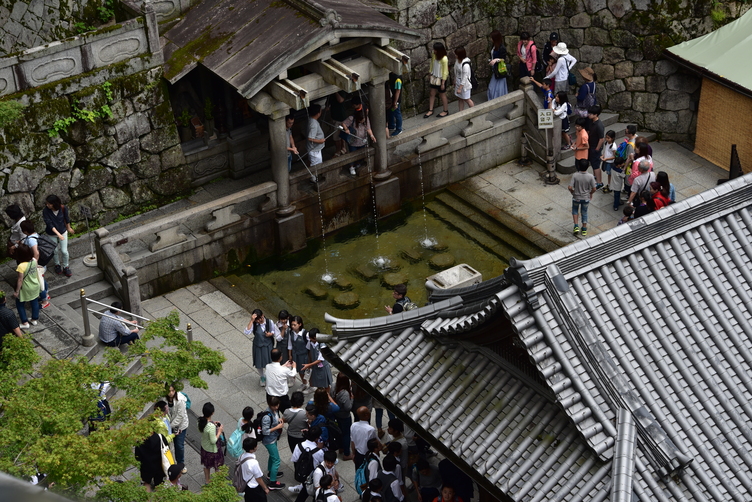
x=621 y=39
x=30 y=23
x=114 y=165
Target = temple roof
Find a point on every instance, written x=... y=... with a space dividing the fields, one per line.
x=641 y=355
x=248 y=44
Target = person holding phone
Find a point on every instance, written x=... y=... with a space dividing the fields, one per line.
x=277 y=375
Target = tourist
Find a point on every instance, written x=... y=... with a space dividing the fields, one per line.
x=595 y=141
x=627 y=147
x=16 y=215
x=392 y=491
x=315 y=419
x=562 y=109
x=548 y=59
x=608 y=154
x=438 y=76
x=297 y=347
x=396 y=429
x=642 y=181
x=31 y=240
x=338 y=114
x=564 y=64
x=659 y=195
x=361 y=432
x=271 y=427
x=617 y=180
x=581 y=143
x=645 y=206
x=662 y=178
x=212 y=457
x=343 y=396
x=316 y=138
x=174 y=474
x=371 y=458
x=264 y=332
x=256 y=490
x=427 y=481
x=394 y=112
x=149 y=456
x=112 y=329
x=327 y=467
x=372 y=490
x=627 y=215
x=311 y=445
x=528 y=54
x=448 y=495
x=327 y=490
x=161 y=417
x=321 y=373
x=643 y=154
x=28 y=287
x=400 y=299
x=276 y=379
x=380 y=417
x=643 y=139
x=497 y=86
x=582 y=188
x=586 y=95
x=283 y=339
x=358 y=128
x=295 y=418
x=290 y=144
x=462 y=73
x=245 y=423
x=545 y=86
x=8 y=321
x=57 y=219
x=178 y=414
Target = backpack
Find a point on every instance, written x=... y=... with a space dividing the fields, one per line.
x=335 y=435
x=258 y=426
x=238 y=481
x=539 y=65
x=235 y=443
x=571 y=78
x=309 y=487
x=46 y=249
x=621 y=151
x=407 y=304
x=361 y=474
x=304 y=465
x=473 y=79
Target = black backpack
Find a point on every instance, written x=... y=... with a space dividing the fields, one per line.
x=304 y=465
x=46 y=247
x=335 y=435
x=473 y=80
x=258 y=426
x=540 y=66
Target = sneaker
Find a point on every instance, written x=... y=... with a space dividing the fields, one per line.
x=616 y=208
x=584 y=231
x=262 y=382
x=397 y=132
x=606 y=189
x=24 y=325
x=185 y=469
x=598 y=186
x=34 y=322
x=67 y=272
x=58 y=269
x=45 y=305
x=276 y=485
x=295 y=489
x=576 y=230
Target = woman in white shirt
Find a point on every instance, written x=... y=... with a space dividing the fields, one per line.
x=564 y=64
x=462 y=72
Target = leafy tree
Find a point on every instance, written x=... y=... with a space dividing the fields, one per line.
x=44 y=409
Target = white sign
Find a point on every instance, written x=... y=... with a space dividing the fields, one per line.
x=545 y=119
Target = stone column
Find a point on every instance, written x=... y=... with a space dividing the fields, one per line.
x=378 y=123
x=278 y=139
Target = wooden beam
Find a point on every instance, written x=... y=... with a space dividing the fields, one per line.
x=289 y=93
x=335 y=73
x=387 y=57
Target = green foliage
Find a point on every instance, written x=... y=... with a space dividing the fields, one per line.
x=78 y=113
x=208 y=109
x=42 y=417
x=106 y=11
x=185 y=118
x=219 y=489
x=81 y=27
x=10 y=111
x=107 y=89
x=61 y=125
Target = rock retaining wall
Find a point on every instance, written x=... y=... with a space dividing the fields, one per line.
x=621 y=39
x=30 y=23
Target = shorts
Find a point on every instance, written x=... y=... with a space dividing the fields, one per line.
x=438 y=88
x=315 y=158
x=607 y=166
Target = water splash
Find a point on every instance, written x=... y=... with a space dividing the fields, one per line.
x=328 y=278
x=381 y=262
x=428 y=242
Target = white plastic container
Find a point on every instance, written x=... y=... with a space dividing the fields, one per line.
x=459 y=276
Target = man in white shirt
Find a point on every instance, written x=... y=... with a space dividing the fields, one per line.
x=360 y=432
x=276 y=379
x=256 y=489
x=641 y=183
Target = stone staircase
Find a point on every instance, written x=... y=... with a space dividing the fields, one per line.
x=493 y=230
x=565 y=161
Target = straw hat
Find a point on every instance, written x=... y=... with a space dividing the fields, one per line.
x=561 y=49
x=587 y=73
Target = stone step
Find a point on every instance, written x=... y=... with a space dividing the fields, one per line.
x=488 y=232
x=565 y=163
x=94 y=291
x=82 y=277
x=538 y=242
x=60 y=332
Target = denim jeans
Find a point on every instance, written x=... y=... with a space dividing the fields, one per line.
x=274 y=461
x=61 y=251
x=394 y=118
x=179 y=443
x=289 y=162
x=380 y=417
x=344 y=425
x=582 y=207
x=21 y=306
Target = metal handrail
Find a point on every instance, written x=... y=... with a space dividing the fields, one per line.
x=115 y=318
x=88 y=338
x=124 y=311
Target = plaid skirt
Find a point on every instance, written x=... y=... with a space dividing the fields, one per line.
x=212 y=460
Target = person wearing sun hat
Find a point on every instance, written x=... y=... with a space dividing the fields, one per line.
x=564 y=63
x=586 y=94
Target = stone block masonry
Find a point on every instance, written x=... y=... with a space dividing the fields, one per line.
x=30 y=23
x=622 y=40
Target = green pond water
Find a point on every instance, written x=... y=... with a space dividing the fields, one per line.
x=349 y=256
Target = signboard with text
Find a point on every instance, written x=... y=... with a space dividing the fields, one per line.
x=545 y=119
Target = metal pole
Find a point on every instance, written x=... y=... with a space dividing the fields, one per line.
x=189 y=332
x=88 y=338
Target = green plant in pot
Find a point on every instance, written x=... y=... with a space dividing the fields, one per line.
x=209 y=117
x=184 y=121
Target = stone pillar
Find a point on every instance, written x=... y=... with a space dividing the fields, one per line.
x=278 y=140
x=378 y=123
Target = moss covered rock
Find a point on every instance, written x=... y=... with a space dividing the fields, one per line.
x=26 y=177
x=62 y=157
x=113 y=197
x=56 y=183
x=87 y=182
x=42 y=116
x=347 y=300
x=316 y=292
x=124 y=176
x=96 y=149
x=160 y=140
x=34 y=146
x=366 y=272
x=391 y=279
x=442 y=261
x=172 y=181
x=140 y=192
x=343 y=284
x=93 y=202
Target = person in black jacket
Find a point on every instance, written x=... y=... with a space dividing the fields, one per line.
x=149 y=454
x=57 y=219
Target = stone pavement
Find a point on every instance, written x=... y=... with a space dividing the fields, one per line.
x=520 y=192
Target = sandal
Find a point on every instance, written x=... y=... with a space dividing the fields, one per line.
x=442 y=114
x=428 y=114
